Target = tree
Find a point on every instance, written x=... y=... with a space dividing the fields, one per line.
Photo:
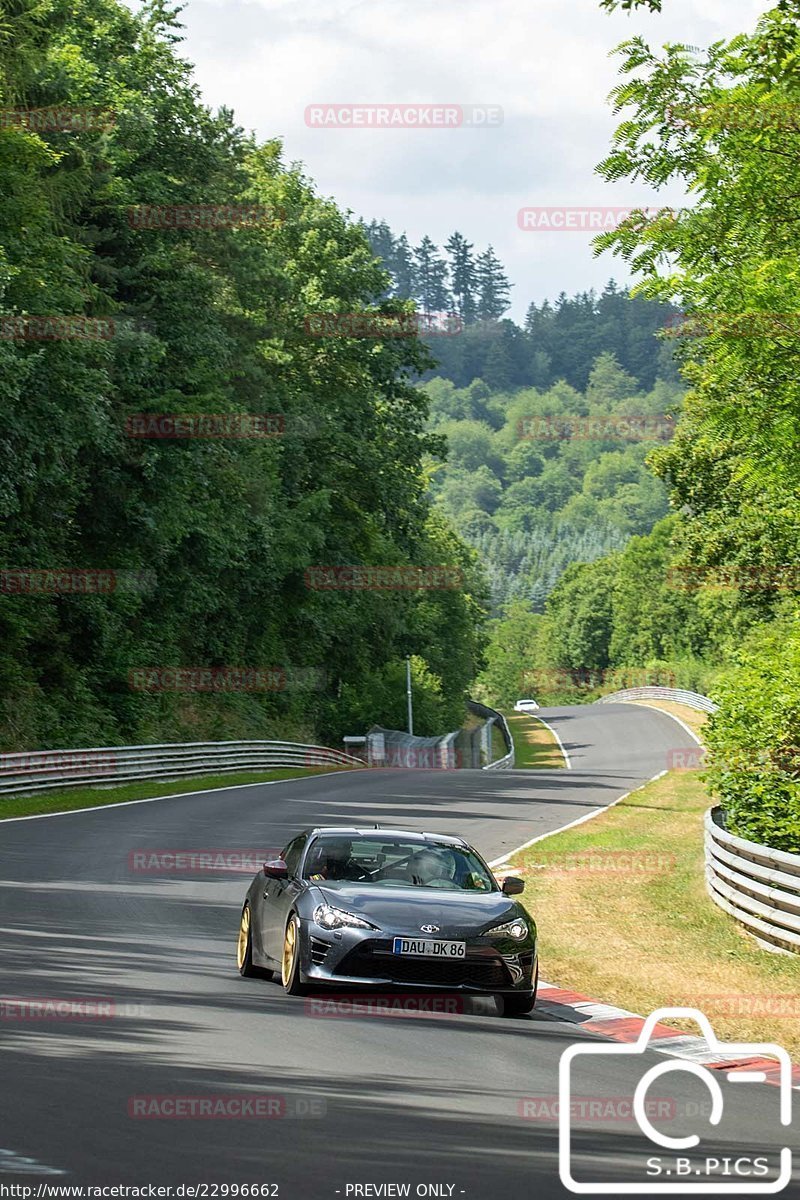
x=580 y=607
x=431 y=278
x=493 y=287
x=402 y=267
x=463 y=276
x=208 y=320
x=608 y=383
x=511 y=652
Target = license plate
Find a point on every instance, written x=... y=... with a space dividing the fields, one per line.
x=429 y=948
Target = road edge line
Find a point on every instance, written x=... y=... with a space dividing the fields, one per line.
x=655 y=708
x=571 y=824
x=555 y=734
x=74 y=812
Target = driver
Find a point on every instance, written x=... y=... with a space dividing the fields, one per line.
x=333 y=859
x=428 y=865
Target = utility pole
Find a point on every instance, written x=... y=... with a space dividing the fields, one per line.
x=408 y=695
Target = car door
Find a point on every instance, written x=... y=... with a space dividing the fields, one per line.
x=279 y=896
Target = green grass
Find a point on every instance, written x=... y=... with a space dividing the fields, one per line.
x=75 y=798
x=534 y=744
x=498 y=744
x=637 y=929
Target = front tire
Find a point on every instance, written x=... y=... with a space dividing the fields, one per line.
x=244 y=946
x=518 y=1006
x=290 y=960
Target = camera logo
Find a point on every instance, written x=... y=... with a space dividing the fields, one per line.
x=667 y=1173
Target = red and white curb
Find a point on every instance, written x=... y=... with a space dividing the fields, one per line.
x=619 y=1025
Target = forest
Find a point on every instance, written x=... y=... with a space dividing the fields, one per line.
x=158 y=264
x=710 y=595
x=622 y=492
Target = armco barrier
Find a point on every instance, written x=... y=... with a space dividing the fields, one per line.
x=38 y=770
x=758 y=886
x=690 y=699
x=491 y=715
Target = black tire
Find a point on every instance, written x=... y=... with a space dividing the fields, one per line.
x=293 y=984
x=244 y=946
x=519 y=1005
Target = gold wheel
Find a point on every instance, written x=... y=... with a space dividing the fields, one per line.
x=244 y=937
x=289 y=952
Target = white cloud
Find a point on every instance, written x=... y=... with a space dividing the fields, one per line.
x=545 y=63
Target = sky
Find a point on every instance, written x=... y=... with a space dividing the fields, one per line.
x=546 y=64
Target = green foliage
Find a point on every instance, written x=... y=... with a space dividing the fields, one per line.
x=753 y=766
x=206 y=321
x=538 y=480
x=722 y=124
x=512 y=644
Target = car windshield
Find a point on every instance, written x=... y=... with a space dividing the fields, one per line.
x=384 y=862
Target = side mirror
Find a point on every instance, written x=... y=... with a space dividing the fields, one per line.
x=276 y=869
x=513 y=885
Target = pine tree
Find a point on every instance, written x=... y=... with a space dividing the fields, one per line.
x=463 y=279
x=381 y=241
x=493 y=286
x=403 y=270
x=431 y=282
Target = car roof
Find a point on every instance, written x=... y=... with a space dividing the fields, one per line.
x=381 y=832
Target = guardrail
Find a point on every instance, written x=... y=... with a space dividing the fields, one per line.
x=690 y=699
x=757 y=886
x=39 y=770
x=492 y=716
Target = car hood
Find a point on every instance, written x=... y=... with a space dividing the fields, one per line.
x=405 y=909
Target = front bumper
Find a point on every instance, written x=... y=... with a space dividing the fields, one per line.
x=364 y=958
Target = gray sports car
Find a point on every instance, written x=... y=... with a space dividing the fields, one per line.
x=386 y=908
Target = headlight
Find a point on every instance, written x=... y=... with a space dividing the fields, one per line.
x=516 y=929
x=336 y=918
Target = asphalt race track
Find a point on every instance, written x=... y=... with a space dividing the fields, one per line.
x=358 y=1103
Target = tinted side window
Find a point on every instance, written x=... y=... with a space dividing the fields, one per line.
x=292 y=854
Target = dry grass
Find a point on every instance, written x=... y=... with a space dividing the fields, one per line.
x=637 y=929
x=534 y=744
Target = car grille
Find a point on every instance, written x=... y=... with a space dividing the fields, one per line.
x=371 y=960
